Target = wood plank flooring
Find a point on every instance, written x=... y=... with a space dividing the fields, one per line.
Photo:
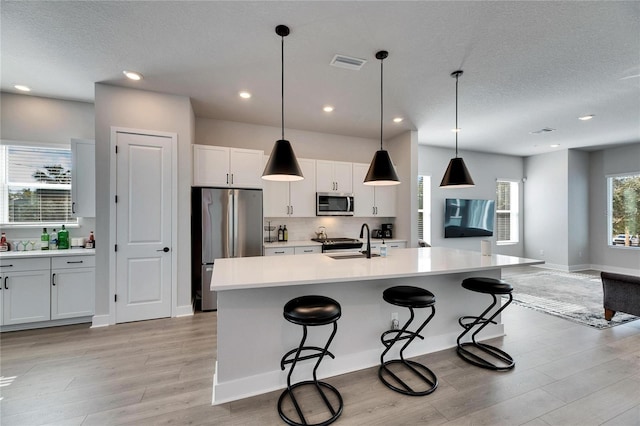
x=160 y=373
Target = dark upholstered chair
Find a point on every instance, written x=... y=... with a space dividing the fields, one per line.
x=621 y=294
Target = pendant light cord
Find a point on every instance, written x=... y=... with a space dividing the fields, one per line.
x=282 y=84
x=381 y=98
x=457 y=130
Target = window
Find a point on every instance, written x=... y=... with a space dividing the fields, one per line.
x=35 y=184
x=424 y=208
x=507 y=211
x=624 y=210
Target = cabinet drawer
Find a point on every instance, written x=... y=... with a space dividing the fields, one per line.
x=67 y=262
x=308 y=250
x=397 y=245
x=278 y=251
x=16 y=265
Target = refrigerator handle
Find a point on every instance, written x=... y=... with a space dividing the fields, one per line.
x=235 y=222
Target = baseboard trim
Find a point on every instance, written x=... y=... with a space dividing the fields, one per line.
x=45 y=324
x=100 y=321
x=616 y=270
x=576 y=268
x=554 y=266
x=184 y=311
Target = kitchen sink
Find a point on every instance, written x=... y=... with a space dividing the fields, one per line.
x=339 y=256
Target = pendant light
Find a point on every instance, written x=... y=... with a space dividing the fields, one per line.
x=282 y=164
x=381 y=171
x=457 y=175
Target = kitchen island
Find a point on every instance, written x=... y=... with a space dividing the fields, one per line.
x=252 y=334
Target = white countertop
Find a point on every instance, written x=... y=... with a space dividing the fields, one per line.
x=277 y=271
x=46 y=253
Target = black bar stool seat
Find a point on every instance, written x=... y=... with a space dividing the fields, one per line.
x=481 y=354
x=408 y=297
x=310 y=311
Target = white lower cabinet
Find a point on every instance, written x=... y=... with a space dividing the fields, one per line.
x=46 y=288
x=273 y=251
x=72 y=287
x=25 y=290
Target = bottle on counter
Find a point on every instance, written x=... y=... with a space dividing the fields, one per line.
x=285 y=234
x=53 y=240
x=280 y=233
x=63 y=239
x=4 y=246
x=383 y=249
x=44 y=239
x=91 y=241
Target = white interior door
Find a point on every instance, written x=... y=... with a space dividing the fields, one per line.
x=143 y=227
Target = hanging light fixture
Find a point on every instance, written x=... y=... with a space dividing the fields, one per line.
x=282 y=164
x=381 y=171
x=457 y=175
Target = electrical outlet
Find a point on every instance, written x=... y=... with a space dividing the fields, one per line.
x=395 y=324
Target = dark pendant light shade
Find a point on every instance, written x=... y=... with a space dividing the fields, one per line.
x=457 y=175
x=381 y=171
x=282 y=164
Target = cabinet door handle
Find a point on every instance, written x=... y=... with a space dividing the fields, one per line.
x=53 y=279
x=7 y=266
x=308 y=251
x=231 y=178
x=6 y=287
x=75 y=261
x=73 y=207
x=279 y=252
x=227 y=178
x=291 y=209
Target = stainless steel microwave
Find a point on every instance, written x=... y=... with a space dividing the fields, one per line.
x=334 y=204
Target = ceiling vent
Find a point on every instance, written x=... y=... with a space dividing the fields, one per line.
x=348 y=62
x=541 y=131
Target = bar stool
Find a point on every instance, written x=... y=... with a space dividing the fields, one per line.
x=408 y=297
x=310 y=311
x=495 y=359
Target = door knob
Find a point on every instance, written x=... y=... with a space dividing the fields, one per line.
x=166 y=249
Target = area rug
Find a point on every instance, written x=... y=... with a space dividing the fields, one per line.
x=572 y=296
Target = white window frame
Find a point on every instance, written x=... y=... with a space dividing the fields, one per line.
x=609 y=181
x=4 y=185
x=426 y=208
x=514 y=212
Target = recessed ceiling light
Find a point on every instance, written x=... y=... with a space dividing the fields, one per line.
x=327 y=108
x=22 y=87
x=555 y=145
x=245 y=95
x=456 y=130
x=586 y=117
x=132 y=75
x=398 y=120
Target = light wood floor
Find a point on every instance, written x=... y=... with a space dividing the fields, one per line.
x=160 y=373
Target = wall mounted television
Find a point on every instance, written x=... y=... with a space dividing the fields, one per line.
x=468 y=218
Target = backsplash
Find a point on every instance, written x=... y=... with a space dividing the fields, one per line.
x=304 y=228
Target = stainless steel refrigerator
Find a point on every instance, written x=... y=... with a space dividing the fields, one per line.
x=225 y=223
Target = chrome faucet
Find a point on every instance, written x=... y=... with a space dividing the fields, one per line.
x=368 y=251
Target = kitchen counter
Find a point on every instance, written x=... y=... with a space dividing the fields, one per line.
x=300 y=243
x=252 y=334
x=46 y=253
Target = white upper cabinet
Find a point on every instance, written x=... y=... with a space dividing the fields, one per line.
x=333 y=176
x=83 y=178
x=294 y=199
x=227 y=167
x=371 y=200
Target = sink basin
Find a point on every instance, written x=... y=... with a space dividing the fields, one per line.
x=347 y=255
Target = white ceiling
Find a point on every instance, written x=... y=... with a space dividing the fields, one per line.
x=527 y=65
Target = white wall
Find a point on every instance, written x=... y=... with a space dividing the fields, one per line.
x=137 y=109
x=305 y=144
x=545 y=205
x=34 y=119
x=403 y=150
x=484 y=169
x=602 y=163
x=577 y=211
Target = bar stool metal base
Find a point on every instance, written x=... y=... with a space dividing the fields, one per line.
x=408 y=297
x=494 y=358
x=289 y=392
